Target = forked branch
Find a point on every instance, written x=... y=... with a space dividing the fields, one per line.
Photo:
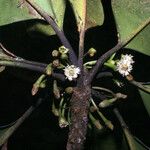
x=120 y=45
x=58 y=31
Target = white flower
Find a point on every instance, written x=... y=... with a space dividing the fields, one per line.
x=71 y=72
x=124 y=65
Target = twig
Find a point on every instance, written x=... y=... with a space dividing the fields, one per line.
x=120 y=45
x=58 y=31
x=22 y=65
x=31 y=66
x=12 y=129
x=126 y=131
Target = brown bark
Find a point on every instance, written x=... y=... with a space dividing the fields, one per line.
x=79 y=118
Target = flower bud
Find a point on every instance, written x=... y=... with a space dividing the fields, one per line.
x=56 y=63
x=63 y=50
x=49 y=69
x=69 y=90
x=55 y=53
x=40 y=83
x=63 y=122
x=97 y=124
x=93 y=109
x=55 y=112
x=104 y=103
x=35 y=89
x=92 y=52
x=109 y=125
x=129 y=77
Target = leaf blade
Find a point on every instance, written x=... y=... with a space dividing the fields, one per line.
x=95 y=16
x=129 y=15
x=16 y=11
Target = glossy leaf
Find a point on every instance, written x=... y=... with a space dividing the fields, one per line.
x=13 y=11
x=95 y=15
x=146 y=99
x=129 y=16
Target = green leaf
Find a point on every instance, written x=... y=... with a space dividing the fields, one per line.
x=95 y=15
x=129 y=16
x=13 y=11
x=146 y=99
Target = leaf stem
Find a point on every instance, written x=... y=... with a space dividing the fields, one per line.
x=58 y=31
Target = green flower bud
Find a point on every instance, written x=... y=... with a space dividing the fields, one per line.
x=38 y=84
x=35 y=89
x=109 y=125
x=49 y=69
x=63 y=50
x=43 y=84
x=55 y=112
x=63 y=122
x=97 y=124
x=104 y=103
x=92 y=52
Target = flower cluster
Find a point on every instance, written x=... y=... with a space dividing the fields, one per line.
x=124 y=65
x=71 y=72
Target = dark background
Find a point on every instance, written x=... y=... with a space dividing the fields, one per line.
x=41 y=131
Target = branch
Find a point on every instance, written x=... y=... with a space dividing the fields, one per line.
x=10 y=59
x=120 y=45
x=11 y=130
x=31 y=65
x=58 y=31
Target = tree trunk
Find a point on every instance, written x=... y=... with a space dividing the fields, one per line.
x=79 y=118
